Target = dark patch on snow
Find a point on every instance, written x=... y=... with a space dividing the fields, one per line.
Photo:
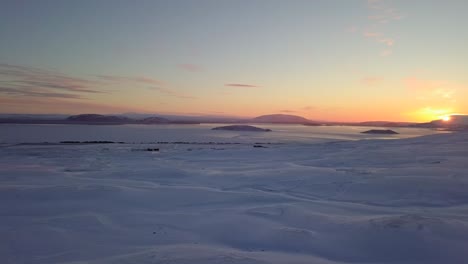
x=380 y=131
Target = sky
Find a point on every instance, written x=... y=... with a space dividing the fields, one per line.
x=336 y=60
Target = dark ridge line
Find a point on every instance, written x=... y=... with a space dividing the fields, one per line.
x=73 y=142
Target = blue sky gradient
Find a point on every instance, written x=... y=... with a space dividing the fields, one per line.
x=325 y=59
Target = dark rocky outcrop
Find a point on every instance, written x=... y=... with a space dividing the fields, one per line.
x=89 y=142
x=242 y=128
x=380 y=131
x=152 y=149
x=95 y=118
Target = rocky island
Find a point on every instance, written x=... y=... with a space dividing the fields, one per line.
x=242 y=128
x=380 y=131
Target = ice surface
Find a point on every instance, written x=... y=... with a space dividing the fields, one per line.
x=368 y=201
x=20 y=133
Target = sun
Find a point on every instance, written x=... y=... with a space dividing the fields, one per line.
x=430 y=114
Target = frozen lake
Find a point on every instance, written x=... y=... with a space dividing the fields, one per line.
x=320 y=197
x=20 y=133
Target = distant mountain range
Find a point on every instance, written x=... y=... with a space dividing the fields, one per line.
x=99 y=118
x=92 y=119
x=457 y=122
x=134 y=118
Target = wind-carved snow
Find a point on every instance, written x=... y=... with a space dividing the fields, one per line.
x=370 y=201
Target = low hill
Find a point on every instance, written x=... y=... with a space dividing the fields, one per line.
x=95 y=118
x=155 y=120
x=456 y=122
x=281 y=119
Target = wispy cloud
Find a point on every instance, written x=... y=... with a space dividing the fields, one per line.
x=371 y=34
x=29 y=81
x=172 y=93
x=17 y=80
x=381 y=13
x=372 y=80
x=386 y=52
x=432 y=89
x=49 y=105
x=119 y=79
x=20 y=91
x=308 y=108
x=190 y=67
x=417 y=84
x=34 y=89
x=241 y=85
x=287 y=111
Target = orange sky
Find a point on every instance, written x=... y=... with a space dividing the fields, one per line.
x=324 y=60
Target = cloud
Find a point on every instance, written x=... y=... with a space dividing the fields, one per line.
x=241 y=85
x=445 y=93
x=118 y=79
x=30 y=89
x=26 y=92
x=298 y=110
x=379 y=37
x=308 y=108
x=386 y=52
x=381 y=13
x=432 y=89
x=372 y=80
x=29 y=81
x=370 y=34
x=386 y=41
x=172 y=93
x=190 y=67
x=287 y=111
x=17 y=80
x=417 y=84
x=51 y=105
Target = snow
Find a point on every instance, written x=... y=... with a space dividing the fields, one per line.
x=366 y=201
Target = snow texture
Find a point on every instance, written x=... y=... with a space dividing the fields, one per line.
x=367 y=201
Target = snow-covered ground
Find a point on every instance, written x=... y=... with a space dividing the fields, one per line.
x=368 y=201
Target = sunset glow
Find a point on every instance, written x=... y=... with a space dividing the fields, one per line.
x=324 y=60
x=233 y=131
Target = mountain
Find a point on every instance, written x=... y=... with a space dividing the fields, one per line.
x=120 y=120
x=281 y=119
x=155 y=120
x=95 y=118
x=456 y=122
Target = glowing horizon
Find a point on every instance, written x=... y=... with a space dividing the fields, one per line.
x=375 y=60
